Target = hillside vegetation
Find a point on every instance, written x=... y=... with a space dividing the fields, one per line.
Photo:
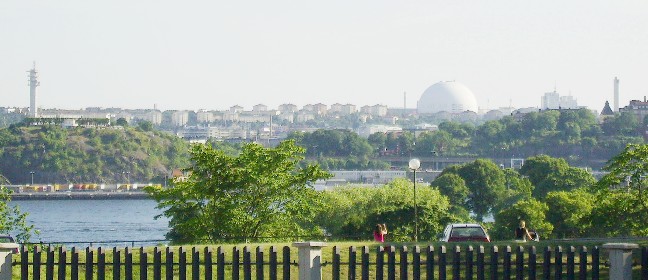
x=89 y=155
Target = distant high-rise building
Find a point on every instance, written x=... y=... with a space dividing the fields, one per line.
x=33 y=83
x=553 y=100
x=550 y=100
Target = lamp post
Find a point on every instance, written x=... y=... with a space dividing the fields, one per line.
x=32 y=177
x=415 y=164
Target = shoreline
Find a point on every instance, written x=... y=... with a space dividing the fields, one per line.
x=79 y=195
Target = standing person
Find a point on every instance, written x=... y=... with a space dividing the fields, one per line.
x=379 y=232
x=522 y=233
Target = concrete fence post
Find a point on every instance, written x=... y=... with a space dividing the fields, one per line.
x=6 y=250
x=620 y=259
x=310 y=259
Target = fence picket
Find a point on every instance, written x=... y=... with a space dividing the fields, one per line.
x=195 y=264
x=380 y=263
x=456 y=261
x=116 y=263
x=49 y=263
x=558 y=263
x=595 y=263
x=182 y=263
x=273 y=263
x=391 y=263
x=352 y=262
x=480 y=263
x=247 y=263
x=89 y=263
x=101 y=264
x=546 y=264
x=470 y=251
x=416 y=263
x=429 y=261
x=143 y=264
x=157 y=263
x=582 y=273
x=259 y=263
x=128 y=263
x=62 y=267
x=168 y=263
x=220 y=263
x=37 y=262
x=494 y=262
x=533 y=257
x=443 y=261
x=365 y=263
x=286 y=263
x=403 y=263
x=519 y=263
x=235 y=263
x=336 y=263
x=571 y=253
x=75 y=264
x=209 y=262
x=507 y=263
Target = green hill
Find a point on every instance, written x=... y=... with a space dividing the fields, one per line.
x=88 y=155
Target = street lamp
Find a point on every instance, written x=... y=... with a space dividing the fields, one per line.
x=32 y=177
x=415 y=164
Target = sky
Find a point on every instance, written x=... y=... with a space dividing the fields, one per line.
x=191 y=55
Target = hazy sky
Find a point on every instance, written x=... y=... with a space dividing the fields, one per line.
x=215 y=54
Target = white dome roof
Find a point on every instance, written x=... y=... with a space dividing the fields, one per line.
x=450 y=97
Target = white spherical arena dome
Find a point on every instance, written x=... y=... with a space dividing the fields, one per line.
x=449 y=96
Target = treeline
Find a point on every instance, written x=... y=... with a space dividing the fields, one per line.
x=263 y=193
x=575 y=135
x=83 y=155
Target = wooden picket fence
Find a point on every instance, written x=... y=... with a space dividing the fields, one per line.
x=381 y=262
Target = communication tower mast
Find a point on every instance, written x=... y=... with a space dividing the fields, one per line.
x=33 y=83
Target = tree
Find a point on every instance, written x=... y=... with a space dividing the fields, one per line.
x=353 y=212
x=486 y=183
x=121 y=122
x=454 y=187
x=623 y=189
x=554 y=174
x=530 y=210
x=569 y=212
x=12 y=220
x=259 y=193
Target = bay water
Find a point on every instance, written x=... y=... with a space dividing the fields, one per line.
x=82 y=223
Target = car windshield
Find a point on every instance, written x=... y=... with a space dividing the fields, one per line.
x=467 y=232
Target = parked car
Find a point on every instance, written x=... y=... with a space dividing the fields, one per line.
x=9 y=239
x=464 y=232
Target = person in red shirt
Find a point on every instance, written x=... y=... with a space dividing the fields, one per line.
x=380 y=232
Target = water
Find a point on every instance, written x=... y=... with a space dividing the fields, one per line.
x=95 y=222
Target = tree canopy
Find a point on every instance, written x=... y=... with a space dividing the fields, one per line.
x=262 y=192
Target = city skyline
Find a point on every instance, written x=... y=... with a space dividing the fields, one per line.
x=212 y=55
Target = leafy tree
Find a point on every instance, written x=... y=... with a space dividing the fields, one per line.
x=12 y=220
x=352 y=212
x=145 y=125
x=121 y=122
x=486 y=183
x=261 y=192
x=530 y=210
x=454 y=187
x=569 y=212
x=554 y=174
x=623 y=190
x=517 y=187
